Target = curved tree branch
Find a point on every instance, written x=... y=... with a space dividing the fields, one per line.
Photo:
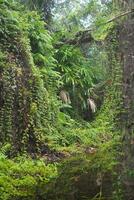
x=85 y=36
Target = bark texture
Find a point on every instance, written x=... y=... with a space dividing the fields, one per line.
x=127 y=48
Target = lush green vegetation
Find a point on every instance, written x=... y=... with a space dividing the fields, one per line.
x=24 y=178
x=51 y=144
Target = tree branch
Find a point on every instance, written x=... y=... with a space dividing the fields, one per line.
x=85 y=36
x=120 y=15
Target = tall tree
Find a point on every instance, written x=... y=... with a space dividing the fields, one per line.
x=127 y=52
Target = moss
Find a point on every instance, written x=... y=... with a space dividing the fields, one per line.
x=26 y=106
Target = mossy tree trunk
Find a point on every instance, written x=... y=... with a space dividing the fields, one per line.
x=24 y=109
x=127 y=52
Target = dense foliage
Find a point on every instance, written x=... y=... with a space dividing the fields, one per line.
x=24 y=178
x=26 y=108
x=53 y=144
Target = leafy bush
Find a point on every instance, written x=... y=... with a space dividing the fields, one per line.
x=79 y=75
x=23 y=178
x=77 y=176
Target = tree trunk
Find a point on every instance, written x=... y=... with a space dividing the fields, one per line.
x=127 y=49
